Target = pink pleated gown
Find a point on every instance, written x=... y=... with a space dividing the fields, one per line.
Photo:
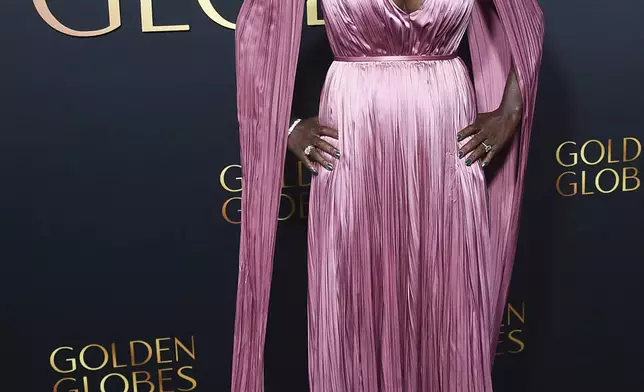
x=410 y=250
x=398 y=231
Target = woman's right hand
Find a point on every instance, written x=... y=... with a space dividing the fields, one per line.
x=308 y=134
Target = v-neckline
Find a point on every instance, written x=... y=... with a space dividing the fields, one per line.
x=403 y=11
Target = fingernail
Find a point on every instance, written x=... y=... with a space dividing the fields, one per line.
x=483 y=164
x=329 y=166
x=468 y=161
x=337 y=154
x=459 y=137
x=314 y=171
x=460 y=154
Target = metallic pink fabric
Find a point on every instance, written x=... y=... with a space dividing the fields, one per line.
x=267 y=43
x=410 y=251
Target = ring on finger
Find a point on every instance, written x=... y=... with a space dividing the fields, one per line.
x=308 y=150
x=488 y=148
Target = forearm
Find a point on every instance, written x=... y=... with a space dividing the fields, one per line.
x=512 y=101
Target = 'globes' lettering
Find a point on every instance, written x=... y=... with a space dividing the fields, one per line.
x=147 y=18
x=77 y=366
x=599 y=160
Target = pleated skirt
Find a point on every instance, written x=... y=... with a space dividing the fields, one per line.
x=398 y=235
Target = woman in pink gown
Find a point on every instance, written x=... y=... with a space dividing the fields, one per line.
x=411 y=242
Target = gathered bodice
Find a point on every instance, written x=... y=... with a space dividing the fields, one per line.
x=381 y=28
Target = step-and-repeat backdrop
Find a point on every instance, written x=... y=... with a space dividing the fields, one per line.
x=121 y=193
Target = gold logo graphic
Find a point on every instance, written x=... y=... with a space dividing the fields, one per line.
x=163 y=365
x=147 y=18
x=510 y=339
x=294 y=196
x=596 y=166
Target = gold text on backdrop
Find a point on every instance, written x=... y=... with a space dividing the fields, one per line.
x=161 y=365
x=510 y=339
x=147 y=18
x=598 y=166
x=294 y=198
x=114 y=11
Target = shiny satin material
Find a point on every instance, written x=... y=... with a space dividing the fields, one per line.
x=409 y=250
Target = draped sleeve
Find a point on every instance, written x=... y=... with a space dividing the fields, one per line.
x=513 y=35
x=267 y=41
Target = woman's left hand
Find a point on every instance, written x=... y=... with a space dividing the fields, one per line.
x=491 y=132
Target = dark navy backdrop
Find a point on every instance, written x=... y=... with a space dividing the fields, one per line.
x=120 y=193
